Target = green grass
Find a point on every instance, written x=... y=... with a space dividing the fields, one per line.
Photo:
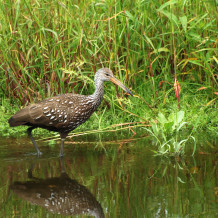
x=53 y=47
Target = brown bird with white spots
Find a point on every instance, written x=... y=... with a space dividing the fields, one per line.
x=64 y=113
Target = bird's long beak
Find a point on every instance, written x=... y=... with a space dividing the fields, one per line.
x=117 y=82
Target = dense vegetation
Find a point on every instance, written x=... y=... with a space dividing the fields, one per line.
x=53 y=47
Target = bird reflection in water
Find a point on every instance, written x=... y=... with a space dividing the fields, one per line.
x=60 y=195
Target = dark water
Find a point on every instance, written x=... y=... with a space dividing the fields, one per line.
x=112 y=179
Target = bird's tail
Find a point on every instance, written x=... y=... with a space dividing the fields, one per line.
x=19 y=118
x=12 y=122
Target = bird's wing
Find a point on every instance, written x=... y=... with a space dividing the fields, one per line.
x=28 y=115
x=59 y=112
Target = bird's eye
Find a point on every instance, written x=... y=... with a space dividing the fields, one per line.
x=107 y=74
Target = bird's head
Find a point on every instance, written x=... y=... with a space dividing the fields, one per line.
x=105 y=74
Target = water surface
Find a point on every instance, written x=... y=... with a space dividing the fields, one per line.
x=111 y=178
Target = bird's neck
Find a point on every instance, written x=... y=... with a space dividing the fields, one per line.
x=99 y=91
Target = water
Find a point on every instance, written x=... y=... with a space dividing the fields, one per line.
x=112 y=179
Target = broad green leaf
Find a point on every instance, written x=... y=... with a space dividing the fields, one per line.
x=161 y=118
x=154 y=128
x=179 y=116
x=166 y=4
x=183 y=21
x=169 y=126
x=170 y=16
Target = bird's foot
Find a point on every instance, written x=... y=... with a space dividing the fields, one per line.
x=39 y=153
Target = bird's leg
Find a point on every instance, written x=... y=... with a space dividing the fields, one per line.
x=63 y=136
x=29 y=130
x=62 y=148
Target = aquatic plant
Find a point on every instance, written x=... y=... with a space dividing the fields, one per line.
x=167 y=134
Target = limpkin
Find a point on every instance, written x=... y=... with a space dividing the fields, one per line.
x=63 y=113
